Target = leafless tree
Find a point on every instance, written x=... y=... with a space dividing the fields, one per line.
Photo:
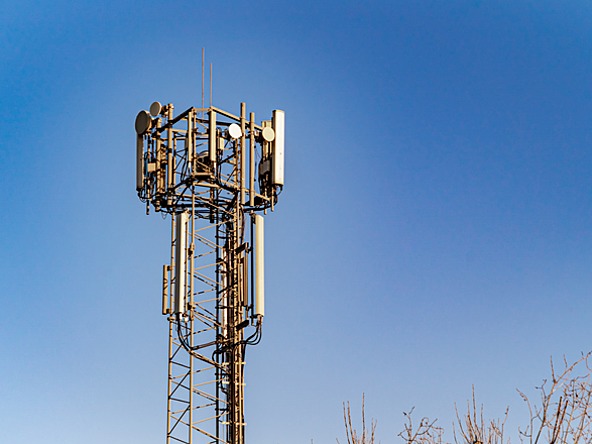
x=473 y=429
x=424 y=432
x=562 y=415
x=352 y=435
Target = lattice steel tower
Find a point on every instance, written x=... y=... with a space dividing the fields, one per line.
x=215 y=173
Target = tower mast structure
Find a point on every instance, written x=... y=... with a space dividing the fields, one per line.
x=215 y=174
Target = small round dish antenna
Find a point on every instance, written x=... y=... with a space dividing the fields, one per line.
x=155 y=109
x=234 y=131
x=268 y=134
x=143 y=122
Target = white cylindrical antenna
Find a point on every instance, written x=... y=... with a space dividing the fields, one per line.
x=139 y=162
x=180 y=262
x=259 y=308
x=277 y=154
x=213 y=139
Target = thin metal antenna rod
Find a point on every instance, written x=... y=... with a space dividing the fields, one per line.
x=203 y=61
x=211 y=91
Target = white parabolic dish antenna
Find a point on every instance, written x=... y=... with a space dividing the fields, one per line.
x=234 y=131
x=268 y=134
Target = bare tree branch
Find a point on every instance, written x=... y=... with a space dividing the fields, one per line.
x=561 y=415
x=351 y=433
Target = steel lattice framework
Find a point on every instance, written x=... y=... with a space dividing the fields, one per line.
x=214 y=173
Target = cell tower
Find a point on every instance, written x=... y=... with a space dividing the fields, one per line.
x=216 y=174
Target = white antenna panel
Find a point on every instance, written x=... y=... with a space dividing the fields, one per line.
x=180 y=261
x=277 y=155
x=259 y=266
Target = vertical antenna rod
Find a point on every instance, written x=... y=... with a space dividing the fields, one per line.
x=203 y=61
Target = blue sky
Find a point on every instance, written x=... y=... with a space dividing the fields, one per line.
x=433 y=234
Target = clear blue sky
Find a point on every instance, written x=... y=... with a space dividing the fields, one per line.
x=434 y=232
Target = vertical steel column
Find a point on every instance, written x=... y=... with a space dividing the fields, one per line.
x=243 y=151
x=169 y=385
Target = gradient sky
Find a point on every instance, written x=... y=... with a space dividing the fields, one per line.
x=434 y=232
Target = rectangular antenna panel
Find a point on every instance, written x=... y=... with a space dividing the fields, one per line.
x=212 y=138
x=259 y=309
x=160 y=173
x=180 y=262
x=139 y=162
x=165 y=289
x=277 y=155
